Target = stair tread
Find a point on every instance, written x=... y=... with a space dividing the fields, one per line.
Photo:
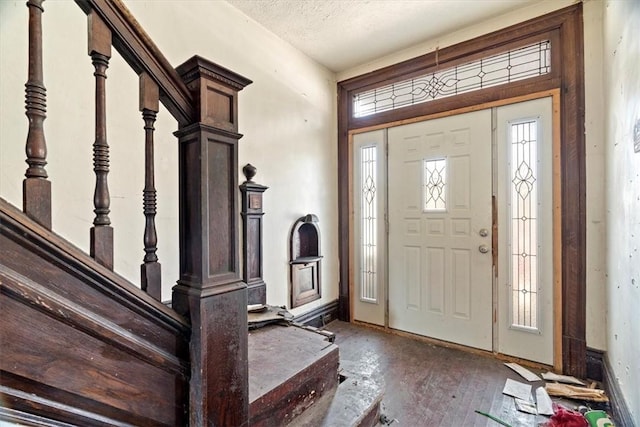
x=355 y=403
x=277 y=353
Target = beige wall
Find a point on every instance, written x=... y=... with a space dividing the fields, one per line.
x=287 y=116
x=622 y=113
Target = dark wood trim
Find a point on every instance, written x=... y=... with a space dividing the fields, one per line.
x=56 y=306
x=564 y=29
x=58 y=251
x=319 y=316
x=81 y=344
x=210 y=291
x=137 y=48
x=595 y=364
x=618 y=405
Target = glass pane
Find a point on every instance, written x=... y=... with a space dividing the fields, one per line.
x=435 y=185
x=514 y=65
x=524 y=225
x=369 y=226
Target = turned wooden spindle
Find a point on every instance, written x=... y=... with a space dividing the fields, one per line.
x=101 y=233
x=36 y=189
x=150 y=270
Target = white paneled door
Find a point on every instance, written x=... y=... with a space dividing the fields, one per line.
x=440 y=219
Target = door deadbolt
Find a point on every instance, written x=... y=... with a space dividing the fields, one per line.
x=483 y=232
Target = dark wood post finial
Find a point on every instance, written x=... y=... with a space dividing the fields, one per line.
x=249 y=171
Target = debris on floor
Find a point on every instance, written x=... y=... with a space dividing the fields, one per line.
x=494 y=418
x=550 y=376
x=560 y=410
x=544 y=405
x=524 y=372
x=517 y=389
x=564 y=417
x=576 y=393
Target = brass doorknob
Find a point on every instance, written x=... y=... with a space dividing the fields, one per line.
x=483 y=249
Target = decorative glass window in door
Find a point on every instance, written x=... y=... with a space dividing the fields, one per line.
x=523 y=227
x=435 y=185
x=369 y=224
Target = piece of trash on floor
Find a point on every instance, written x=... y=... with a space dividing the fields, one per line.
x=494 y=418
x=551 y=376
x=524 y=372
x=575 y=392
x=564 y=417
x=544 y=405
x=517 y=389
x=598 y=419
x=386 y=421
x=525 y=406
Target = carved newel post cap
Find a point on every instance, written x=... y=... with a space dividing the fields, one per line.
x=249 y=171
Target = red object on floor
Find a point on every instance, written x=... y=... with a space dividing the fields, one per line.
x=564 y=417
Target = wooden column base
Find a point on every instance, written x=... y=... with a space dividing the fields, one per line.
x=36 y=200
x=219 y=385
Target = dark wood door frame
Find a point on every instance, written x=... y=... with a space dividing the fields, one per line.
x=564 y=29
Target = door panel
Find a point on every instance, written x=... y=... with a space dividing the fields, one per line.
x=525 y=230
x=440 y=284
x=369 y=202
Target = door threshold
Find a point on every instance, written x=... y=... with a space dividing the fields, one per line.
x=461 y=347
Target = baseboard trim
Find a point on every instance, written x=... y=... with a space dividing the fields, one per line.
x=595 y=364
x=319 y=316
x=620 y=410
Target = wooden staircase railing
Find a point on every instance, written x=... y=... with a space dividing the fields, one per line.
x=210 y=293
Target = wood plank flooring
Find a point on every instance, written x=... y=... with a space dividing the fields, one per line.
x=429 y=385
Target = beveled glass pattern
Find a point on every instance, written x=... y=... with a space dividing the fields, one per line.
x=368 y=221
x=524 y=224
x=435 y=185
x=514 y=65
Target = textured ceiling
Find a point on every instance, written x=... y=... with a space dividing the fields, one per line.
x=341 y=34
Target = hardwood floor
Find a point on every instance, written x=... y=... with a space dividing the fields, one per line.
x=429 y=385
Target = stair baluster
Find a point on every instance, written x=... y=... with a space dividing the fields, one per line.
x=101 y=248
x=36 y=188
x=150 y=270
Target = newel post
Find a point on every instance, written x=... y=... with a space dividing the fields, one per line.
x=210 y=291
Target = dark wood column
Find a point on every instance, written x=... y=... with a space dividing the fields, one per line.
x=210 y=292
x=252 y=236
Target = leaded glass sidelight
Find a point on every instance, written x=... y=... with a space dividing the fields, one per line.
x=506 y=67
x=435 y=185
x=523 y=173
x=369 y=224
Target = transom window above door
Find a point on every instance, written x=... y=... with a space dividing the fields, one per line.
x=513 y=65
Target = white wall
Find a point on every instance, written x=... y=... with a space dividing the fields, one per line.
x=622 y=89
x=288 y=117
x=596 y=248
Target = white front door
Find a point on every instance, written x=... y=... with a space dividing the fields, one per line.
x=440 y=219
x=525 y=230
x=369 y=210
